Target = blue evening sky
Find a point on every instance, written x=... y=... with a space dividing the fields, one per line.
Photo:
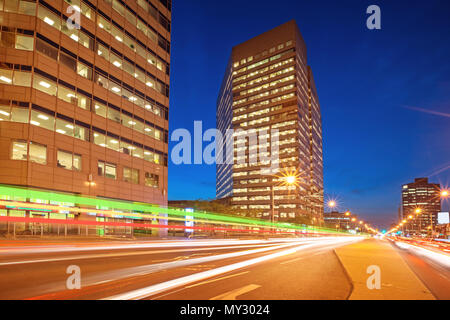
x=384 y=94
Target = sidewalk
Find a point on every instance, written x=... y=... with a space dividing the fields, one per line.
x=398 y=281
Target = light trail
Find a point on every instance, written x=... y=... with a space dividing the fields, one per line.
x=146 y=245
x=125 y=254
x=439 y=257
x=164 y=286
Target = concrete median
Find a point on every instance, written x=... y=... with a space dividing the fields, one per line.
x=371 y=261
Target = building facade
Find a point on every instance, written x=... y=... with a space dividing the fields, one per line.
x=84 y=97
x=422 y=200
x=269 y=88
x=341 y=221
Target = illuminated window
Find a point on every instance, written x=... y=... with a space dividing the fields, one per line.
x=151 y=180
x=19 y=150
x=107 y=170
x=22 y=78
x=131 y=175
x=68 y=160
x=24 y=43
x=43 y=120
x=43 y=84
x=38 y=153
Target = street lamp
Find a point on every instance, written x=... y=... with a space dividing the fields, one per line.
x=331 y=204
x=444 y=193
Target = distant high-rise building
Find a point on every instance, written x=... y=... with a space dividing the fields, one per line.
x=84 y=101
x=269 y=86
x=420 y=199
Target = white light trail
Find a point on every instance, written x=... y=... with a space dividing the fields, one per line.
x=164 y=286
x=441 y=258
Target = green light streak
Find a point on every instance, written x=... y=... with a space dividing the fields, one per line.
x=18 y=192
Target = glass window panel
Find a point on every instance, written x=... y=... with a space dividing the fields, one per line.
x=126 y=174
x=86 y=10
x=150 y=131
x=20 y=114
x=64 y=160
x=67 y=95
x=114 y=115
x=139 y=74
x=42 y=120
x=104 y=24
x=85 y=40
x=5 y=113
x=7 y=39
x=6 y=76
x=11 y=5
x=140 y=102
x=46 y=49
x=68 y=61
x=100 y=109
x=118 y=7
x=112 y=143
x=81 y=133
x=49 y=17
x=117 y=34
x=157 y=158
x=151 y=180
x=127 y=121
x=101 y=168
x=38 y=153
x=77 y=162
x=99 y=139
x=43 y=84
x=110 y=171
x=19 y=150
x=114 y=87
x=115 y=60
x=64 y=127
x=149 y=156
x=139 y=126
x=135 y=176
x=128 y=67
x=84 y=102
x=125 y=147
x=22 y=78
x=102 y=51
x=24 y=43
x=101 y=80
x=138 y=152
x=84 y=71
x=130 y=43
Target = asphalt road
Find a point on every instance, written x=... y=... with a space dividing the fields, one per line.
x=433 y=275
x=278 y=269
x=198 y=269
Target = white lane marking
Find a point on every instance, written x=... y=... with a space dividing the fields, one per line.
x=123 y=254
x=217 y=279
x=167 y=285
x=231 y=295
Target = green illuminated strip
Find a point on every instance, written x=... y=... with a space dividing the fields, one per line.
x=138 y=206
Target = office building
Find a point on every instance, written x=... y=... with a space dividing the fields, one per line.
x=268 y=87
x=84 y=98
x=421 y=200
